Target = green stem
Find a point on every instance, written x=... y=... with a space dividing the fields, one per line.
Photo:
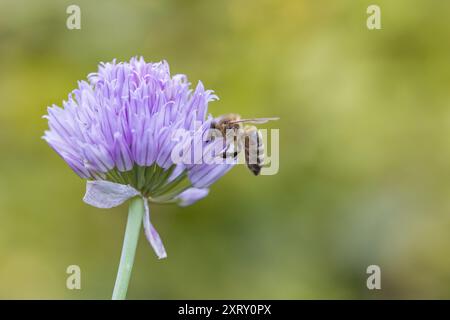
x=132 y=231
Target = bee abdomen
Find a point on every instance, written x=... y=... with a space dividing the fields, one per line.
x=256 y=169
x=254 y=150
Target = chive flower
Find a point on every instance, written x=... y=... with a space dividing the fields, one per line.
x=118 y=130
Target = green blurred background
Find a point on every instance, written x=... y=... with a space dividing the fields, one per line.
x=364 y=166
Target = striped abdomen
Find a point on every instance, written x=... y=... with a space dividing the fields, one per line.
x=254 y=149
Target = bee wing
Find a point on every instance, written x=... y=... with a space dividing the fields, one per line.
x=255 y=120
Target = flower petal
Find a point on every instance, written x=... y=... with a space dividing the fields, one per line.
x=106 y=194
x=152 y=235
x=191 y=195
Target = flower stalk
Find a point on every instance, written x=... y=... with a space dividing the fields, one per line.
x=132 y=231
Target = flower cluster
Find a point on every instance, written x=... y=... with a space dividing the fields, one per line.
x=119 y=126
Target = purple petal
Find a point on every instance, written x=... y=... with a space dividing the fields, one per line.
x=152 y=235
x=191 y=195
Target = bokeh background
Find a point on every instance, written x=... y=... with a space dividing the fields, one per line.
x=364 y=166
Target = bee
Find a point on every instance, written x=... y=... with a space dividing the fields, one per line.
x=248 y=138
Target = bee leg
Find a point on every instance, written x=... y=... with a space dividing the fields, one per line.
x=211 y=135
x=231 y=152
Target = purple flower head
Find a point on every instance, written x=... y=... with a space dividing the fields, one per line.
x=120 y=125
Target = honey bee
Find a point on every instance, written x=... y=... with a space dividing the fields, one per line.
x=248 y=138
